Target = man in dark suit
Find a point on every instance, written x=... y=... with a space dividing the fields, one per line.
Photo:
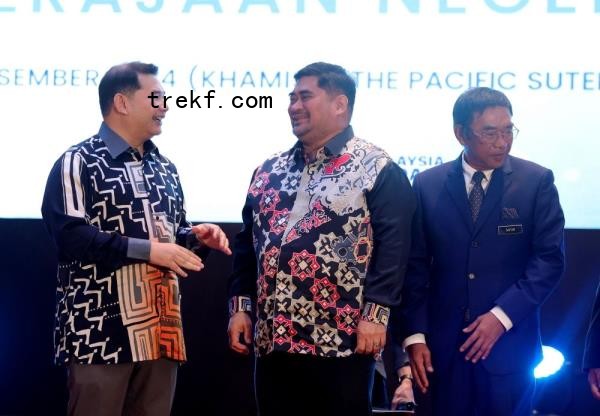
x=591 y=354
x=487 y=251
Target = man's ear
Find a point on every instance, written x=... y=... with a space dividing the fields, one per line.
x=341 y=104
x=121 y=104
x=460 y=134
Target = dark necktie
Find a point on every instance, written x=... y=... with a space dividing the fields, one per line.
x=476 y=195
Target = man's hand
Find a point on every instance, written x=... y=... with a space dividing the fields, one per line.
x=403 y=393
x=420 y=364
x=485 y=331
x=370 y=337
x=212 y=236
x=594 y=380
x=174 y=257
x=240 y=324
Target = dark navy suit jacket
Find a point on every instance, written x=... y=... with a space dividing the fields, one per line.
x=591 y=354
x=512 y=257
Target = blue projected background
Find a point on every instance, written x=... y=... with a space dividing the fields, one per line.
x=411 y=59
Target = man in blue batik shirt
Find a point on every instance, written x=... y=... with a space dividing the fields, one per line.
x=115 y=209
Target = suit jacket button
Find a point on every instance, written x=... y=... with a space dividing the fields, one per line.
x=471 y=276
x=474 y=244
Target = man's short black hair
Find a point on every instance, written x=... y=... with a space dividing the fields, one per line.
x=121 y=79
x=332 y=78
x=476 y=101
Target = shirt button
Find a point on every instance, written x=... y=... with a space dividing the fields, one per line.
x=474 y=244
x=471 y=276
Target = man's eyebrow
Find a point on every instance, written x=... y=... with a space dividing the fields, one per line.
x=302 y=92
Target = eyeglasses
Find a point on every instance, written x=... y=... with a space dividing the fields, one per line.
x=491 y=135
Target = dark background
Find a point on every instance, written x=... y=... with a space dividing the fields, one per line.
x=216 y=381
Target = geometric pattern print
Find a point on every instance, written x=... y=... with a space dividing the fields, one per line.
x=313 y=235
x=106 y=315
x=239 y=304
x=150 y=310
x=312 y=219
x=85 y=307
x=377 y=313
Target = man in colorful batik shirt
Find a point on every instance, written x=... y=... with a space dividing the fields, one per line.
x=324 y=243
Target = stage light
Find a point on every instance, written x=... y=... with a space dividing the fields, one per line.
x=552 y=362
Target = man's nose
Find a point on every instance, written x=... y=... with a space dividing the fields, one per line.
x=501 y=142
x=294 y=106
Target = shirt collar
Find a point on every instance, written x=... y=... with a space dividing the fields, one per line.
x=469 y=170
x=333 y=147
x=116 y=144
x=337 y=143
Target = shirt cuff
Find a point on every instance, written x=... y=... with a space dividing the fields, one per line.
x=186 y=238
x=502 y=317
x=138 y=248
x=375 y=313
x=239 y=304
x=418 y=338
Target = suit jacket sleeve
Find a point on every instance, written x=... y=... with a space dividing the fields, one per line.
x=396 y=335
x=547 y=262
x=591 y=353
x=412 y=315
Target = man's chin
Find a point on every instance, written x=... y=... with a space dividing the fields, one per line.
x=497 y=161
x=299 y=132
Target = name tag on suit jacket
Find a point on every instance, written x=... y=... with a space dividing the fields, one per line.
x=512 y=229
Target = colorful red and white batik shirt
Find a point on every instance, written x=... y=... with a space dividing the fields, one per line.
x=103 y=204
x=324 y=244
